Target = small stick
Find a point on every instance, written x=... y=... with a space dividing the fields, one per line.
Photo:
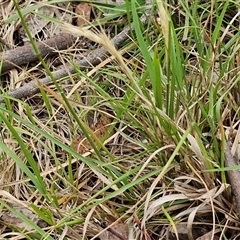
x=233 y=175
x=144 y=232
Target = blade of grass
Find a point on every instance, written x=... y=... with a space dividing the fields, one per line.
x=36 y=177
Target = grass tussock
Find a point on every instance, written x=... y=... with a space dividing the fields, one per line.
x=134 y=144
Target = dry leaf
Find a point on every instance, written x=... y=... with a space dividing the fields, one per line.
x=40 y=26
x=121 y=228
x=35 y=23
x=81 y=144
x=83 y=10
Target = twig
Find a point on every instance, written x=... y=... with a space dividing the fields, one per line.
x=25 y=54
x=233 y=175
x=144 y=232
x=92 y=59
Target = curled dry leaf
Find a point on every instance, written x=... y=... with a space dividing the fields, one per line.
x=36 y=24
x=83 y=10
x=156 y=204
x=39 y=24
x=81 y=144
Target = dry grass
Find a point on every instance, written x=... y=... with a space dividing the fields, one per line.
x=138 y=139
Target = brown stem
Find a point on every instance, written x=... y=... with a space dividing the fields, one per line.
x=233 y=175
x=116 y=234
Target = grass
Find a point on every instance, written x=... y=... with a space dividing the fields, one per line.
x=138 y=139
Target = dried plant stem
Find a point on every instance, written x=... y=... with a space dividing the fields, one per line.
x=233 y=175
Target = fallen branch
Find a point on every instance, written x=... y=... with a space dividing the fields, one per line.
x=233 y=175
x=25 y=54
x=92 y=59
